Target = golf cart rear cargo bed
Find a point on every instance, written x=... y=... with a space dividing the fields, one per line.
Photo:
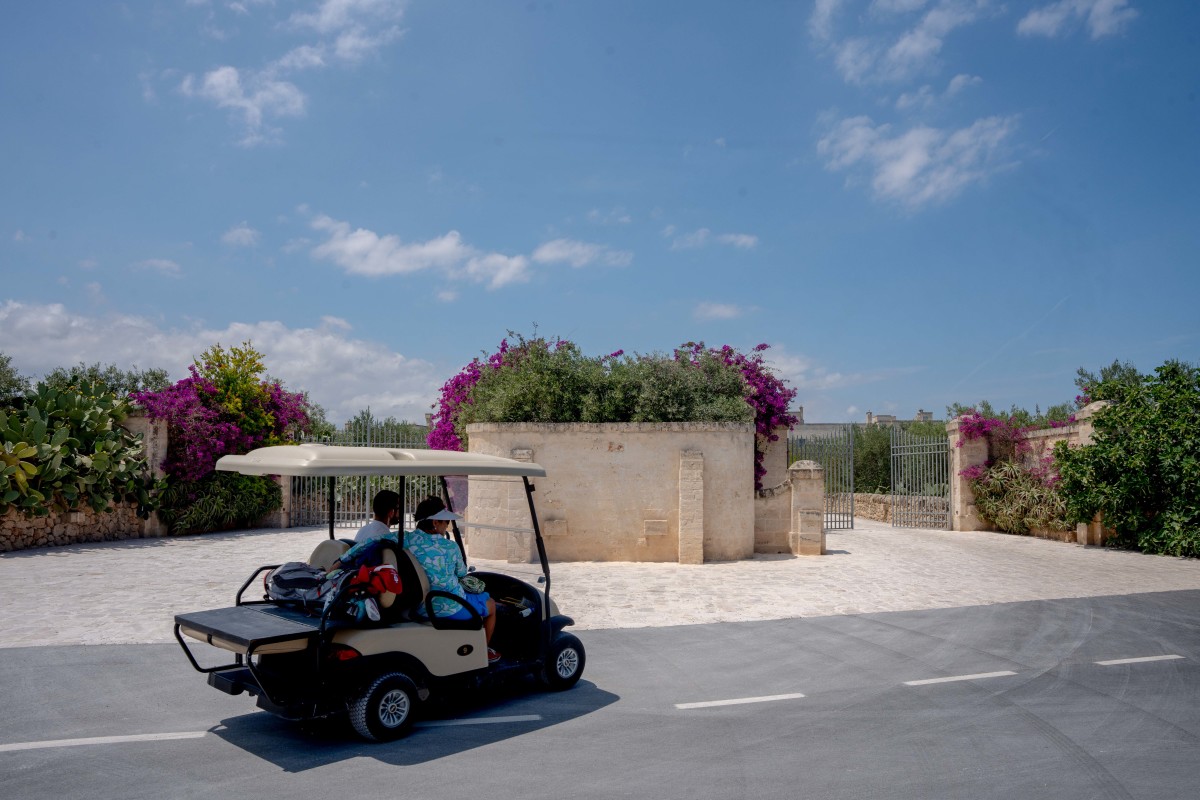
x=251 y=629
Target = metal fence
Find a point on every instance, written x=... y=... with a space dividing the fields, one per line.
x=310 y=496
x=920 y=481
x=833 y=450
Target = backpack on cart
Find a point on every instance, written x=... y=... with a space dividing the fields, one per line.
x=297 y=583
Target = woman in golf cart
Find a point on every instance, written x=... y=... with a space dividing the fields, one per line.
x=443 y=563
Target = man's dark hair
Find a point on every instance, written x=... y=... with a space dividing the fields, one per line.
x=385 y=500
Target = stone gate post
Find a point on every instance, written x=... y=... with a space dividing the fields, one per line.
x=807 y=535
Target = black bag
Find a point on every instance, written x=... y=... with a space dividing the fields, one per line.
x=296 y=582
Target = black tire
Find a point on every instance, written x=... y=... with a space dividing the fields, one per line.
x=386 y=709
x=564 y=662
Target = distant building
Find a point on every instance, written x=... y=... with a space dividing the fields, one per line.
x=890 y=419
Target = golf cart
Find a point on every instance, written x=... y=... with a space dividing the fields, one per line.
x=313 y=663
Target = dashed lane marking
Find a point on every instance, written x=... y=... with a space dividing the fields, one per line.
x=1141 y=660
x=953 y=678
x=739 y=701
x=140 y=737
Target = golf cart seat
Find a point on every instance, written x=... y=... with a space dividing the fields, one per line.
x=415 y=597
x=326 y=553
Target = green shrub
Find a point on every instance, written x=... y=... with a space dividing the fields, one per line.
x=1142 y=471
x=220 y=500
x=1015 y=501
x=61 y=450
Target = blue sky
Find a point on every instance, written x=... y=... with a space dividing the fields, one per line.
x=914 y=202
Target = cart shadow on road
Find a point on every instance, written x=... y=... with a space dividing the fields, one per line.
x=445 y=729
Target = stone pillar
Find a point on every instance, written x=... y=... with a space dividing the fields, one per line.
x=807 y=536
x=775 y=459
x=964 y=453
x=691 y=507
x=522 y=547
x=154 y=441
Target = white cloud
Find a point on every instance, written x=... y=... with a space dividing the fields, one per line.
x=925 y=97
x=744 y=241
x=259 y=98
x=701 y=237
x=355 y=29
x=240 y=236
x=883 y=54
x=961 y=82
x=89 y=263
x=364 y=252
x=616 y=216
x=1102 y=18
x=342 y=373
x=691 y=241
x=498 y=270
x=580 y=254
x=163 y=265
x=714 y=311
x=922 y=165
x=20 y=236
x=820 y=24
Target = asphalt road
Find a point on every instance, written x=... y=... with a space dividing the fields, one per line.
x=866 y=706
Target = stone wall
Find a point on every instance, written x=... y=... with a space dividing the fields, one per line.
x=619 y=492
x=85 y=525
x=19 y=533
x=873 y=506
x=968 y=453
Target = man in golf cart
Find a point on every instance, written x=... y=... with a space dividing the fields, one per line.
x=385 y=511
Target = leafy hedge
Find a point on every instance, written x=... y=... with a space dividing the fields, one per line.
x=61 y=450
x=538 y=380
x=1142 y=471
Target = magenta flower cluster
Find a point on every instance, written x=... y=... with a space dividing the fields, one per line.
x=455 y=394
x=1007 y=440
x=201 y=428
x=765 y=393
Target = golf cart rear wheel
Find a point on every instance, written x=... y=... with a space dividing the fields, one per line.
x=565 y=662
x=385 y=709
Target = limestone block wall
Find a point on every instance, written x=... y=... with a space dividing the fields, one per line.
x=873 y=506
x=619 y=492
x=86 y=525
x=773 y=519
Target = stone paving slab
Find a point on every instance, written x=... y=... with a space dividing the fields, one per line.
x=128 y=592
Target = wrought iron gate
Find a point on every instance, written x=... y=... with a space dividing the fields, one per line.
x=920 y=481
x=310 y=496
x=835 y=452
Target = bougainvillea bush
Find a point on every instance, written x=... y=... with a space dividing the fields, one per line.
x=1009 y=495
x=543 y=380
x=223 y=407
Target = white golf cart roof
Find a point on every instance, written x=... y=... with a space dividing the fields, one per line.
x=319 y=460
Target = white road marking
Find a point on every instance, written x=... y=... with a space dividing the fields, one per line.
x=445 y=723
x=953 y=678
x=739 y=701
x=1141 y=660
x=140 y=737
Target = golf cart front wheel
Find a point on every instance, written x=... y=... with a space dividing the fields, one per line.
x=385 y=709
x=565 y=662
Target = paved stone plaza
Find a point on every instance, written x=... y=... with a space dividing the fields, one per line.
x=128 y=592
